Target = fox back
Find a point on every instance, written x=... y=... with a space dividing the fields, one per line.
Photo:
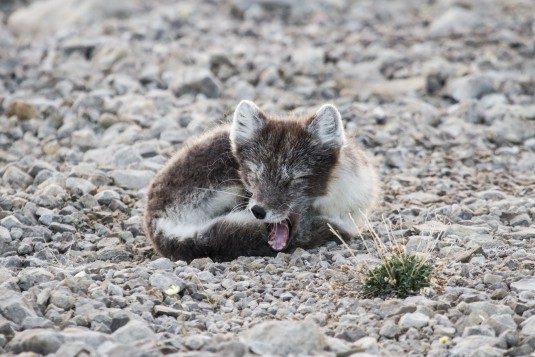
x=260 y=186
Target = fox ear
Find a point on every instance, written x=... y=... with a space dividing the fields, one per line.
x=248 y=119
x=327 y=126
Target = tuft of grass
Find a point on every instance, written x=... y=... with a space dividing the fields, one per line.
x=400 y=274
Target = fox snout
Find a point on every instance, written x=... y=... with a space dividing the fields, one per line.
x=265 y=211
x=258 y=211
x=279 y=230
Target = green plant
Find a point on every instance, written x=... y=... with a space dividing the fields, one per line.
x=399 y=275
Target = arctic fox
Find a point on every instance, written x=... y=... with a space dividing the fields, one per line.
x=260 y=186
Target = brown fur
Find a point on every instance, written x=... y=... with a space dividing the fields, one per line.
x=211 y=163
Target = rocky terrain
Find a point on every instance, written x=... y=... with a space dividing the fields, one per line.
x=96 y=95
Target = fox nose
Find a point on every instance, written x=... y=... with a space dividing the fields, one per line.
x=258 y=212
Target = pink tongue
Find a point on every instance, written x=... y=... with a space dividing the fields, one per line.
x=278 y=235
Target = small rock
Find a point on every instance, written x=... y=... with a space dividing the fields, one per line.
x=491 y=195
x=196 y=342
x=499 y=294
x=469 y=344
x=163 y=280
x=286 y=296
x=470 y=87
x=126 y=156
x=232 y=349
x=479 y=331
x=415 y=319
x=14 y=307
x=62 y=299
x=501 y=323
x=48 y=219
x=46 y=17
x=36 y=322
x=84 y=138
x=5 y=236
x=526 y=284
x=521 y=234
x=79 y=186
x=148 y=149
x=368 y=345
x=528 y=326
x=308 y=59
x=511 y=123
x=465 y=256
x=284 y=338
x=431 y=228
x=463 y=231
x=105 y=197
x=389 y=329
x=488 y=308
x=132 y=179
x=420 y=244
x=113 y=349
x=455 y=21
x=88 y=201
x=396 y=158
x=530 y=144
x=133 y=331
x=166 y=310
x=60 y=227
x=521 y=220
x=421 y=197
x=38 y=341
x=492 y=279
x=161 y=264
x=15 y=177
x=78 y=348
x=200 y=263
x=444 y=330
x=113 y=254
x=22 y=110
x=176 y=136
x=196 y=80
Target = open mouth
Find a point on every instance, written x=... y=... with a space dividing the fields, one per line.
x=279 y=235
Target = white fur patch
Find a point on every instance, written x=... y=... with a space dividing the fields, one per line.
x=246 y=122
x=182 y=231
x=327 y=126
x=184 y=221
x=350 y=193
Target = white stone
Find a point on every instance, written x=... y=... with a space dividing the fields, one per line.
x=415 y=319
x=527 y=284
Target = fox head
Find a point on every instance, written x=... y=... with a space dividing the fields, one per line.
x=285 y=162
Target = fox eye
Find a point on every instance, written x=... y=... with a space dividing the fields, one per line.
x=251 y=178
x=300 y=178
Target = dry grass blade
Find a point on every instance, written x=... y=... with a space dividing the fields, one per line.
x=400 y=274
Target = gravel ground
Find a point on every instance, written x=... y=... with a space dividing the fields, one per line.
x=96 y=95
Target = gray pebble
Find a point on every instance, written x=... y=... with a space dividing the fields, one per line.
x=15 y=177
x=132 y=179
x=416 y=319
x=283 y=338
x=196 y=80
